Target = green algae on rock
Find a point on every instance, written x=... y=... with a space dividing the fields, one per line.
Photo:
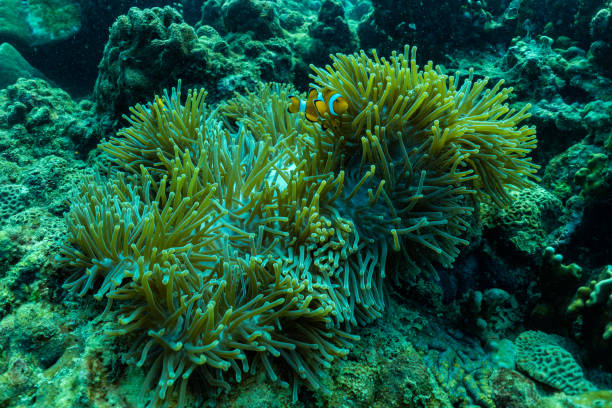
x=39 y=22
x=13 y=66
x=41 y=132
x=37 y=119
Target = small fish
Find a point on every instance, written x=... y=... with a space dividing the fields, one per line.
x=323 y=107
x=160 y=103
x=161 y=108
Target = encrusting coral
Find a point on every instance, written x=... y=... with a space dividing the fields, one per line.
x=246 y=236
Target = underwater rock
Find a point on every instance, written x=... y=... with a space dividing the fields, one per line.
x=292 y=37
x=37 y=119
x=559 y=174
x=598 y=121
x=31 y=341
x=560 y=124
x=33 y=329
x=395 y=22
x=512 y=389
x=330 y=34
x=547 y=17
x=43 y=132
x=411 y=359
x=595 y=178
x=601 y=33
x=570 y=98
x=58 y=357
x=260 y=19
x=276 y=61
x=254 y=40
x=39 y=22
x=17 y=380
x=13 y=66
x=256 y=16
x=582 y=178
x=490 y=314
x=27 y=239
x=473 y=24
x=543 y=72
x=149 y=50
x=591 y=311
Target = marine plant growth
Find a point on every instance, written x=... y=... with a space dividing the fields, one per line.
x=247 y=238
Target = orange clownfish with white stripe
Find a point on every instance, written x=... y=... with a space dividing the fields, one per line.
x=322 y=106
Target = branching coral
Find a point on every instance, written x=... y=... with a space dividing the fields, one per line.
x=246 y=236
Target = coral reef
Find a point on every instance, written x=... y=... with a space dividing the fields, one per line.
x=394 y=22
x=43 y=133
x=485 y=25
x=255 y=16
x=601 y=32
x=543 y=357
x=464 y=378
x=273 y=238
x=37 y=120
x=52 y=358
x=592 y=311
x=513 y=390
x=330 y=34
x=38 y=22
x=581 y=177
x=527 y=225
x=234 y=45
x=567 y=91
x=254 y=34
x=559 y=282
x=150 y=49
x=490 y=314
x=242 y=250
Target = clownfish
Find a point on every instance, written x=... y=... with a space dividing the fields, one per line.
x=160 y=103
x=320 y=106
x=161 y=108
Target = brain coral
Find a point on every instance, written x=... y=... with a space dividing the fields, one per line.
x=542 y=357
x=247 y=238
